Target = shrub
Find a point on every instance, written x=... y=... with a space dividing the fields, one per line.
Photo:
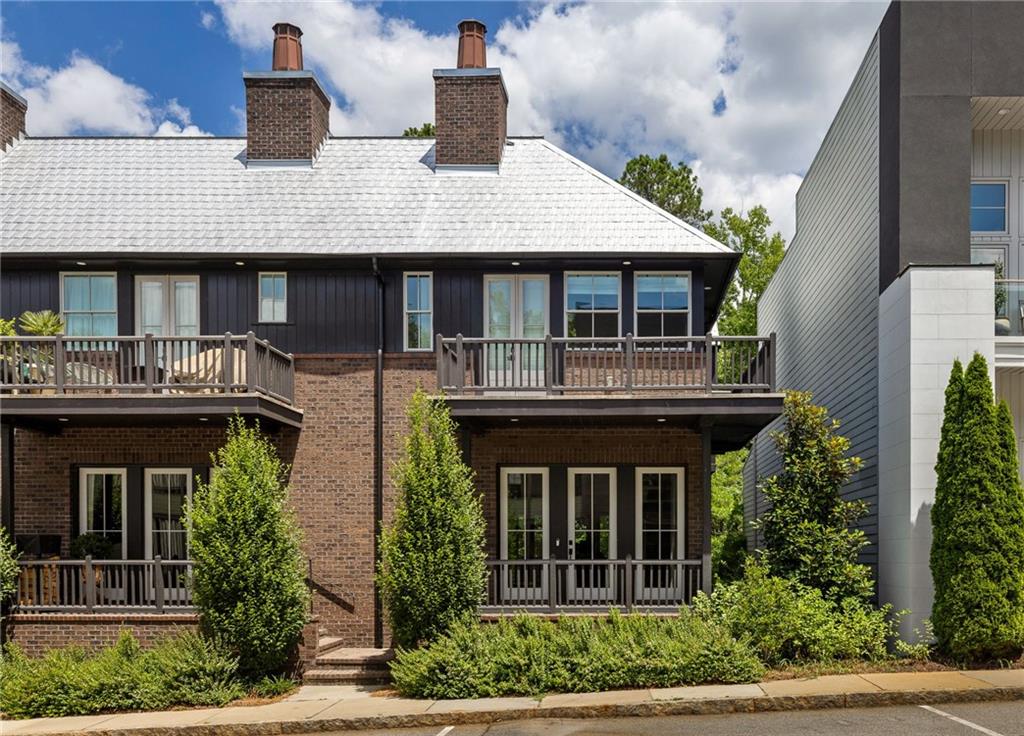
x=806 y=531
x=728 y=541
x=248 y=582
x=785 y=621
x=8 y=565
x=272 y=686
x=91 y=544
x=977 y=555
x=529 y=656
x=186 y=670
x=432 y=568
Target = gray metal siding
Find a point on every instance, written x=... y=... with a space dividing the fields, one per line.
x=823 y=301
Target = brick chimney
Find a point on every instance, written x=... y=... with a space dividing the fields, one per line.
x=12 y=116
x=470 y=107
x=286 y=109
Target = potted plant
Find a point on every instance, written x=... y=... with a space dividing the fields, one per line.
x=40 y=365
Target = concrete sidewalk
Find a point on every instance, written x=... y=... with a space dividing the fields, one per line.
x=339 y=708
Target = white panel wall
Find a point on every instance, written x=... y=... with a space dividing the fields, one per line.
x=999 y=155
x=1010 y=388
x=927 y=318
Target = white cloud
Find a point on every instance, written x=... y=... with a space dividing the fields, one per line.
x=608 y=80
x=207 y=19
x=85 y=97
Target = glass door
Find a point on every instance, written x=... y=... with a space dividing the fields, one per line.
x=591 y=506
x=659 y=533
x=515 y=309
x=101 y=504
x=168 y=306
x=167 y=494
x=524 y=538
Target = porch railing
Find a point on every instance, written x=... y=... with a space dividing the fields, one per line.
x=558 y=365
x=103 y=586
x=554 y=586
x=149 y=364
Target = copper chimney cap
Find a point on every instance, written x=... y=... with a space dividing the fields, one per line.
x=287 y=48
x=472 y=51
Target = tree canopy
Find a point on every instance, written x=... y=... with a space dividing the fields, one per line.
x=673 y=188
x=426 y=130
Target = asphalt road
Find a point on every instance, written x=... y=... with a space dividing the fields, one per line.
x=976 y=719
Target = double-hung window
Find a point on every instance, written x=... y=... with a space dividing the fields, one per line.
x=988 y=207
x=89 y=304
x=419 y=311
x=273 y=297
x=592 y=303
x=662 y=304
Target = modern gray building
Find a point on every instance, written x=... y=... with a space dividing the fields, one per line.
x=907 y=254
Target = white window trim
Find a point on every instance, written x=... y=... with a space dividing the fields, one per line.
x=405 y=311
x=516 y=313
x=63 y=314
x=689 y=301
x=147 y=493
x=1006 y=206
x=565 y=299
x=613 y=485
x=168 y=307
x=259 y=298
x=503 y=510
x=82 y=511
x=680 y=472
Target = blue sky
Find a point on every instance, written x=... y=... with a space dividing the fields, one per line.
x=743 y=92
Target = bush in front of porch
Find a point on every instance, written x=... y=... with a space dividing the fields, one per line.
x=432 y=569
x=8 y=565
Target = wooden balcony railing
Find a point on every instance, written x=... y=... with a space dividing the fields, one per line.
x=559 y=365
x=145 y=364
x=553 y=586
x=103 y=586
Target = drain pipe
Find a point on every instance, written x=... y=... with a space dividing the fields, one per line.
x=378 y=455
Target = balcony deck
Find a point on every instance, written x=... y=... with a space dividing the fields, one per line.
x=120 y=380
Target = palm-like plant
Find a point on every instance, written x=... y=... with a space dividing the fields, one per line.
x=44 y=323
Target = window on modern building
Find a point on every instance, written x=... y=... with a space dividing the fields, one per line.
x=592 y=304
x=419 y=311
x=662 y=305
x=988 y=207
x=89 y=303
x=273 y=297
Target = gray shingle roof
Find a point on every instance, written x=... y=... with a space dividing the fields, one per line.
x=364 y=196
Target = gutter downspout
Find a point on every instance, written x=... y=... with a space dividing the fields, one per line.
x=378 y=456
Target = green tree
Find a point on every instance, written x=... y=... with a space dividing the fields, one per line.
x=762 y=253
x=249 y=580
x=728 y=541
x=432 y=569
x=673 y=188
x=8 y=565
x=807 y=534
x=426 y=130
x=977 y=555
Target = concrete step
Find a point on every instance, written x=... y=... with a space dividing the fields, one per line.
x=354 y=657
x=328 y=643
x=346 y=676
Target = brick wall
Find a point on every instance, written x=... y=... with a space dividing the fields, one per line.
x=470 y=114
x=286 y=118
x=36 y=633
x=12 y=118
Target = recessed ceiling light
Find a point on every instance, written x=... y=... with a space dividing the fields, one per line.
x=515 y=263
x=627 y=263
x=1003 y=111
x=62 y=419
x=239 y=263
x=203 y=419
x=514 y=419
x=661 y=419
x=707 y=288
x=79 y=263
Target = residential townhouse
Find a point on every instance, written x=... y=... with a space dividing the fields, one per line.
x=312 y=282
x=907 y=255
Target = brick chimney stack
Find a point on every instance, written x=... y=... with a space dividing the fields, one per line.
x=470 y=107
x=12 y=116
x=286 y=109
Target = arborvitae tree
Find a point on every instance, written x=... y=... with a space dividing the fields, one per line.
x=807 y=534
x=432 y=569
x=249 y=580
x=977 y=555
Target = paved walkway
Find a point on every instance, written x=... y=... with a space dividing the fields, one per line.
x=337 y=708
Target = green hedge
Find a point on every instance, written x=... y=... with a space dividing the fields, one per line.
x=187 y=670
x=530 y=656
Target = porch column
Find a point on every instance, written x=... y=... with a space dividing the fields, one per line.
x=705 y=558
x=7 y=481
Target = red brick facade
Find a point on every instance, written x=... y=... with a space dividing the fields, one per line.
x=12 y=118
x=36 y=633
x=286 y=117
x=470 y=114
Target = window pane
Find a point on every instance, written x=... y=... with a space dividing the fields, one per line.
x=988 y=220
x=280 y=313
x=78 y=324
x=279 y=283
x=676 y=292
x=412 y=296
x=266 y=310
x=650 y=546
x=102 y=291
x=186 y=321
x=499 y=308
x=606 y=292
x=580 y=325
x=988 y=195
x=648 y=292
x=515 y=494
x=103 y=325
x=151 y=294
x=424 y=293
x=648 y=324
x=533 y=307
x=606 y=324
x=675 y=324
x=668 y=545
x=579 y=292
x=534 y=501
x=76 y=293
x=668 y=502
x=582 y=501
x=425 y=330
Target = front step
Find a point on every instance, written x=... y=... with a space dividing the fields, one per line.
x=346 y=676
x=337 y=665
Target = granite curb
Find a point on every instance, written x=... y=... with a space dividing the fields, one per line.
x=708 y=706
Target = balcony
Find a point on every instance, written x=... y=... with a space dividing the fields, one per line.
x=724 y=381
x=124 y=380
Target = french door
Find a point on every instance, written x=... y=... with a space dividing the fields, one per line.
x=524 y=537
x=167 y=305
x=101 y=508
x=515 y=308
x=167 y=492
x=591 y=506
x=660 y=514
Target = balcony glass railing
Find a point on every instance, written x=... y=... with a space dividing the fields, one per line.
x=1009 y=307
